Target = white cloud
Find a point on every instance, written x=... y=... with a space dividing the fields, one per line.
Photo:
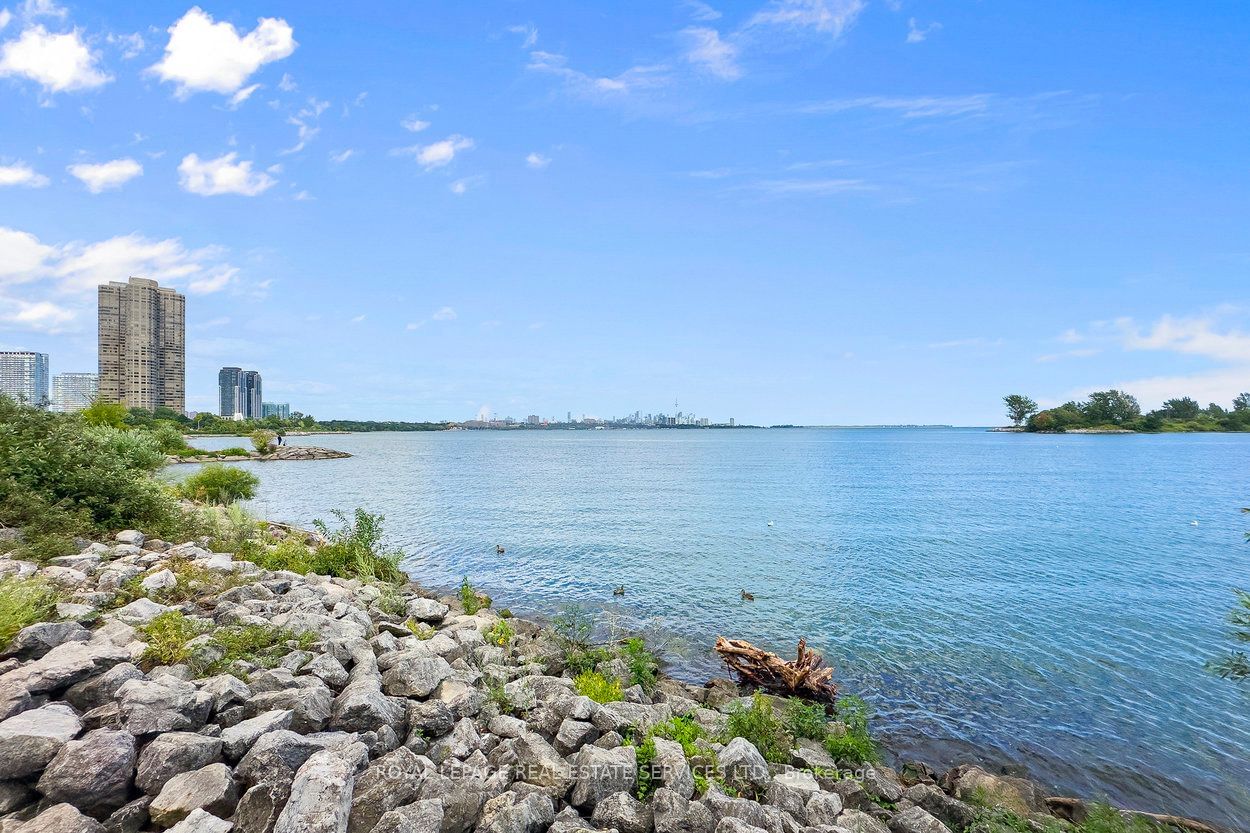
x=342 y=156
x=708 y=52
x=1196 y=336
x=537 y=161
x=701 y=11
x=826 y=16
x=529 y=31
x=438 y=154
x=214 y=280
x=57 y=62
x=598 y=87
x=809 y=187
x=31 y=9
x=444 y=314
x=916 y=107
x=105 y=175
x=22 y=256
x=5 y=17
x=358 y=319
x=460 y=186
x=243 y=95
x=223 y=175
x=915 y=34
x=22 y=174
x=205 y=56
x=37 y=316
x=287 y=84
x=1219 y=386
x=414 y=124
x=131 y=45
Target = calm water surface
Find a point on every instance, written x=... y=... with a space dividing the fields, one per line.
x=1041 y=602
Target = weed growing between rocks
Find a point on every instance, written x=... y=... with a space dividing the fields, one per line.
x=176 y=639
x=356 y=549
x=500 y=634
x=805 y=720
x=420 y=630
x=644 y=669
x=470 y=599
x=23 y=602
x=597 y=687
x=759 y=724
x=854 y=745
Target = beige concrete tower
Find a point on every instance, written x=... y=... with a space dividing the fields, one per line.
x=142 y=345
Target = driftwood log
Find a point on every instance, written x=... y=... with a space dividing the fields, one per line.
x=1073 y=809
x=807 y=676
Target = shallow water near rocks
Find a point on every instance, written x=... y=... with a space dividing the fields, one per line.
x=1038 y=602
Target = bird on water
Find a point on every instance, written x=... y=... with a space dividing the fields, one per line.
x=747 y=597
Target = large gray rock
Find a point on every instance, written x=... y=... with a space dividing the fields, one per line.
x=321 y=796
x=31 y=739
x=573 y=735
x=433 y=718
x=603 y=772
x=94 y=774
x=538 y=763
x=459 y=743
x=199 y=821
x=62 y=818
x=823 y=809
x=955 y=814
x=418 y=817
x=427 y=610
x=916 y=820
x=282 y=752
x=390 y=782
x=676 y=814
x=744 y=766
x=415 y=676
x=1019 y=795
x=670 y=768
x=754 y=814
x=174 y=753
x=462 y=800
x=310 y=707
x=237 y=739
x=623 y=812
x=226 y=690
x=129 y=818
x=261 y=805
x=327 y=669
x=513 y=813
x=362 y=707
x=789 y=792
x=140 y=611
x=166 y=704
x=884 y=784
x=65 y=665
x=857 y=821
x=94 y=692
x=211 y=788
x=36 y=640
x=13 y=796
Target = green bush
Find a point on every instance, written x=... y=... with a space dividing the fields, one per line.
x=805 y=720
x=681 y=730
x=420 y=630
x=23 y=602
x=597 y=687
x=500 y=634
x=470 y=599
x=61 y=477
x=759 y=724
x=571 y=630
x=644 y=669
x=855 y=745
x=357 y=550
x=261 y=440
x=220 y=484
x=168 y=636
x=233 y=451
x=168 y=438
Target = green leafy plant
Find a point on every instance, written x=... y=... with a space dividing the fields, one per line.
x=644 y=668
x=470 y=599
x=357 y=549
x=496 y=694
x=261 y=440
x=24 y=602
x=219 y=484
x=420 y=630
x=854 y=745
x=759 y=724
x=805 y=720
x=390 y=601
x=571 y=631
x=232 y=451
x=170 y=634
x=1236 y=665
x=500 y=634
x=597 y=687
x=167 y=636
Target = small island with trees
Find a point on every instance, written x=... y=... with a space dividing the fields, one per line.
x=1117 y=412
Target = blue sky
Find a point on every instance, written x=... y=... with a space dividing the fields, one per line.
x=813 y=211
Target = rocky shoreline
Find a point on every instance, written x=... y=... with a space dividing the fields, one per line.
x=388 y=710
x=282 y=452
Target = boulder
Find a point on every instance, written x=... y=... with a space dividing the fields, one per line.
x=623 y=812
x=505 y=726
x=955 y=814
x=513 y=813
x=427 y=610
x=31 y=739
x=237 y=739
x=415 y=676
x=94 y=774
x=199 y=821
x=636 y=717
x=390 y=782
x=261 y=805
x=140 y=611
x=675 y=814
x=1018 y=795
x=282 y=752
x=916 y=820
x=133 y=537
x=14 y=795
x=823 y=809
x=160 y=580
x=65 y=665
x=129 y=818
x=310 y=707
x=226 y=690
x=857 y=821
x=62 y=818
x=418 y=817
x=321 y=796
x=573 y=735
x=883 y=783
x=165 y=704
x=744 y=766
x=362 y=707
x=327 y=669
x=94 y=692
x=733 y=825
x=36 y=640
x=670 y=769
x=602 y=772
x=211 y=788
x=432 y=718
x=174 y=753
x=462 y=800
x=538 y=763
x=754 y=814
x=459 y=743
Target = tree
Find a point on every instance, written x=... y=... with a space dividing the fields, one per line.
x=1111 y=406
x=101 y=413
x=1019 y=408
x=1236 y=665
x=1242 y=402
x=1183 y=408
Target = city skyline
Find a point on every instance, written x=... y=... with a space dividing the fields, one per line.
x=813 y=212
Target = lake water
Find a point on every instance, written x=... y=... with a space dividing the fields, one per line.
x=1034 y=601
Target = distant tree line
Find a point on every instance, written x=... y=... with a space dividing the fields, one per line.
x=369 y=425
x=1117 y=409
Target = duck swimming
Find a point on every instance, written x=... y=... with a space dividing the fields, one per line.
x=499 y=550
x=619 y=590
x=747 y=597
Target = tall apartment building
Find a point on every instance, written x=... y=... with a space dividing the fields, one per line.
x=239 y=393
x=142 y=345
x=74 y=391
x=282 y=410
x=24 y=376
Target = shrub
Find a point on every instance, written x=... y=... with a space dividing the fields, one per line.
x=106 y=414
x=391 y=602
x=682 y=730
x=759 y=724
x=261 y=440
x=219 y=484
x=498 y=695
x=23 y=602
x=287 y=554
x=571 y=630
x=420 y=630
x=356 y=550
x=470 y=599
x=167 y=636
x=855 y=745
x=232 y=451
x=500 y=634
x=231 y=528
x=597 y=687
x=805 y=720
x=168 y=438
x=644 y=669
